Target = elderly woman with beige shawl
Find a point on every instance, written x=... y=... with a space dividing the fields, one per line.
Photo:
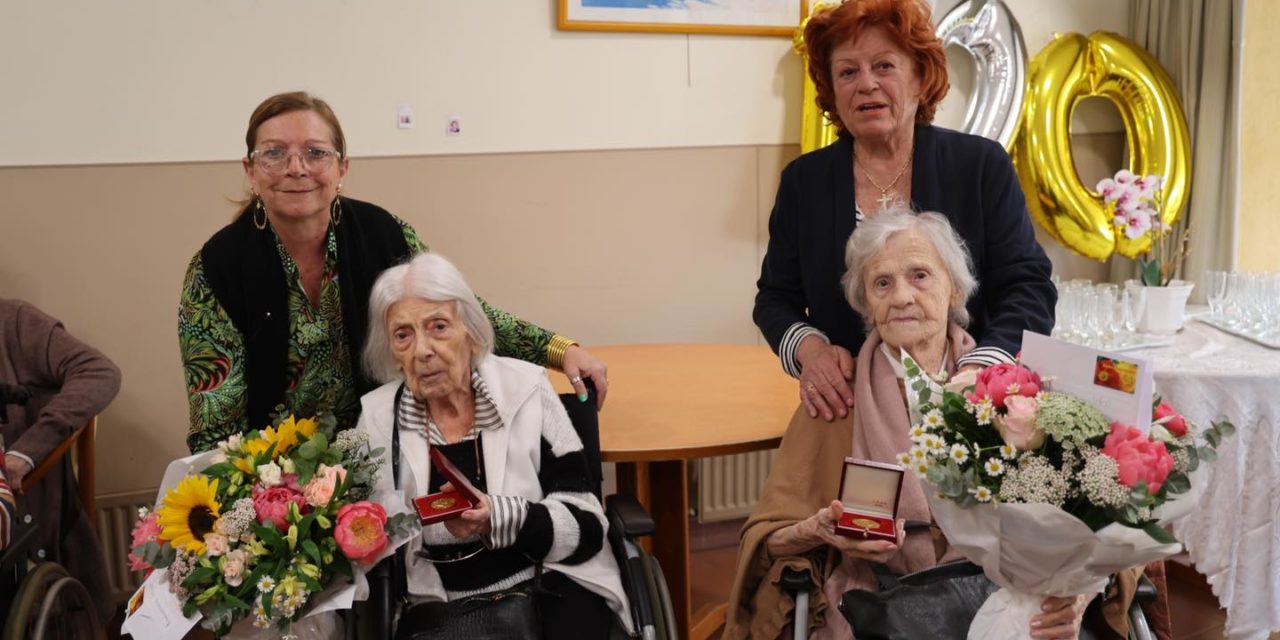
x=909 y=275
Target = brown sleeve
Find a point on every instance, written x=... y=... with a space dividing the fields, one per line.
x=80 y=380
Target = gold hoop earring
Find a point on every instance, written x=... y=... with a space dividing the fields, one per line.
x=335 y=211
x=257 y=208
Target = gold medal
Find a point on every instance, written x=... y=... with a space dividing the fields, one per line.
x=443 y=503
x=866 y=523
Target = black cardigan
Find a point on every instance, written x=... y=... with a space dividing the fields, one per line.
x=967 y=178
x=243 y=268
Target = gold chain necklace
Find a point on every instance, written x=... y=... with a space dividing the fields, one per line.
x=884 y=198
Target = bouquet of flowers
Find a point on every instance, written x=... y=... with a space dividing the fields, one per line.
x=1135 y=202
x=1045 y=493
x=274 y=519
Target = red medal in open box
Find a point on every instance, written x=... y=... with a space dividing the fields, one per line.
x=869 y=494
x=446 y=505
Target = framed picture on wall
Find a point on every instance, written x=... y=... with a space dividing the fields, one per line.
x=742 y=17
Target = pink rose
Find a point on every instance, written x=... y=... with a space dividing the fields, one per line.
x=272 y=505
x=320 y=489
x=216 y=544
x=146 y=530
x=360 y=534
x=1002 y=380
x=1018 y=425
x=1177 y=425
x=1141 y=459
x=233 y=568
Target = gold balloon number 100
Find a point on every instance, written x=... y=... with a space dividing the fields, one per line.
x=1068 y=70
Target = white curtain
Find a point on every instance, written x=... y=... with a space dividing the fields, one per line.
x=1198 y=43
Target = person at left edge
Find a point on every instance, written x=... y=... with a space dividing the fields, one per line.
x=274 y=306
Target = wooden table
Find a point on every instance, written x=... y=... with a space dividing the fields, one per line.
x=671 y=403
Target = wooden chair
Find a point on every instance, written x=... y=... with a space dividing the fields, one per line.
x=83 y=462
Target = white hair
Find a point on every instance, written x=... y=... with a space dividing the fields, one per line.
x=428 y=276
x=873 y=234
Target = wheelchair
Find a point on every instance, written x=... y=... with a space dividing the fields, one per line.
x=798 y=584
x=42 y=601
x=646 y=588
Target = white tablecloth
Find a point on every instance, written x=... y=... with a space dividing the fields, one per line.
x=1233 y=537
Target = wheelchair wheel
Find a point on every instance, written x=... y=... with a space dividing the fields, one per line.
x=667 y=620
x=51 y=605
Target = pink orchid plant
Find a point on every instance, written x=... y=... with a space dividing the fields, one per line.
x=1136 y=202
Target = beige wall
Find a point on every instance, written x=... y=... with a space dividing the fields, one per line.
x=1259 y=227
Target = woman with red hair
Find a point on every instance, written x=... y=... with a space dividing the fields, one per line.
x=880 y=73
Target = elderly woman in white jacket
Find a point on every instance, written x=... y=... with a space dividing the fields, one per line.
x=499 y=422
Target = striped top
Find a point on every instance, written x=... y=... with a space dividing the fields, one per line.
x=7 y=506
x=556 y=529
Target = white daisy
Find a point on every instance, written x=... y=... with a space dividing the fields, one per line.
x=935 y=444
x=917 y=433
x=994 y=466
x=934 y=418
x=959 y=453
x=266 y=584
x=982 y=494
x=904 y=459
x=985 y=412
x=1008 y=452
x=918 y=454
x=922 y=470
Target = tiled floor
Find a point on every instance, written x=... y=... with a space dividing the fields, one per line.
x=1195 y=611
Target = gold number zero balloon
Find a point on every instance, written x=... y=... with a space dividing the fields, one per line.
x=1068 y=70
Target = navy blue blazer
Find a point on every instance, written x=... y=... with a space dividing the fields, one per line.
x=967 y=178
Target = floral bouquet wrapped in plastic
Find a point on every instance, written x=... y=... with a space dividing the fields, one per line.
x=274 y=525
x=1043 y=491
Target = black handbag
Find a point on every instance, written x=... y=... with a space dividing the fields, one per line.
x=510 y=614
x=939 y=602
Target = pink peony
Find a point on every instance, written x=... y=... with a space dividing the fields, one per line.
x=146 y=530
x=1176 y=425
x=1141 y=459
x=320 y=489
x=360 y=534
x=272 y=505
x=1018 y=426
x=1002 y=380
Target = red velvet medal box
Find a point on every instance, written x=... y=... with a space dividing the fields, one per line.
x=869 y=494
x=446 y=505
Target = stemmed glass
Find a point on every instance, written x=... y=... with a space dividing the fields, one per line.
x=1215 y=288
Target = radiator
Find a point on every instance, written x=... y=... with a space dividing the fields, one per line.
x=117 y=514
x=729 y=486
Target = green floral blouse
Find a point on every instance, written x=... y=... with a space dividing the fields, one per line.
x=320 y=373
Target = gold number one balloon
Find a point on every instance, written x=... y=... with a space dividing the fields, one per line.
x=1068 y=70
x=816 y=130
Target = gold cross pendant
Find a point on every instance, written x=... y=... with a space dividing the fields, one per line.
x=884 y=199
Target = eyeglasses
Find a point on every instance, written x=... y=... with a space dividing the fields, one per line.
x=276 y=160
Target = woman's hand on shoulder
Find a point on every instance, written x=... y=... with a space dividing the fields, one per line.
x=824 y=523
x=1060 y=618
x=580 y=365
x=826 y=371
x=472 y=522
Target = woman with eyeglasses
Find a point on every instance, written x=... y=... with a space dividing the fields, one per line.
x=274 y=306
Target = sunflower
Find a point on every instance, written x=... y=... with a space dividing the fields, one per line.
x=188 y=514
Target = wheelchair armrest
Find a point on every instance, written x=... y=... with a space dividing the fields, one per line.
x=1146 y=591
x=634 y=520
x=795 y=581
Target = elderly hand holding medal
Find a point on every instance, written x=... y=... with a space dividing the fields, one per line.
x=473 y=521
